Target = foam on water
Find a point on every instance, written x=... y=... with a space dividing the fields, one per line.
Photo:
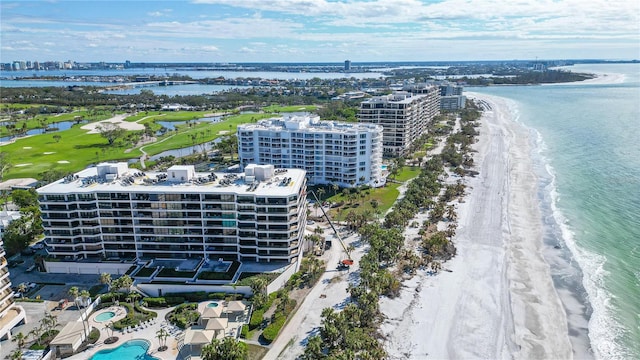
x=603 y=329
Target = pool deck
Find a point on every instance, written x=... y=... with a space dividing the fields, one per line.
x=147 y=333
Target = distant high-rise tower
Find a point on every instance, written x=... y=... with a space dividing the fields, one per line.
x=347 y=65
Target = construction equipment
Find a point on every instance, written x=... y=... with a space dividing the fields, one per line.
x=344 y=263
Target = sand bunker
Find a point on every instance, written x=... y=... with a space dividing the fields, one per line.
x=63 y=162
x=116 y=120
x=223 y=132
x=49 y=152
x=27 y=147
x=23 y=165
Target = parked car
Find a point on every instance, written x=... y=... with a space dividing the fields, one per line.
x=27 y=252
x=38 y=246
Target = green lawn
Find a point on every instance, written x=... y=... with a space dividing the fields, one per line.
x=35 y=154
x=293 y=108
x=385 y=196
x=204 y=132
x=408 y=173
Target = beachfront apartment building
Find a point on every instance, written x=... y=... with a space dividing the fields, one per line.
x=404 y=116
x=111 y=214
x=11 y=315
x=451 y=98
x=331 y=152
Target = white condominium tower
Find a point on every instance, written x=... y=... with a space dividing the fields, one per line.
x=113 y=213
x=10 y=314
x=346 y=154
x=404 y=117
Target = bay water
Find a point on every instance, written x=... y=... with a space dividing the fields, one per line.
x=586 y=141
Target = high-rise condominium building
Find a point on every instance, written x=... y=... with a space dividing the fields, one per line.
x=331 y=152
x=10 y=314
x=111 y=212
x=403 y=115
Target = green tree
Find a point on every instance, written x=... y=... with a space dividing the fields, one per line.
x=105 y=278
x=225 y=349
x=24 y=198
x=16 y=355
x=111 y=132
x=36 y=333
x=20 y=339
x=125 y=282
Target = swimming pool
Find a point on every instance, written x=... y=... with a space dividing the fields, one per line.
x=212 y=304
x=105 y=316
x=383 y=167
x=135 y=349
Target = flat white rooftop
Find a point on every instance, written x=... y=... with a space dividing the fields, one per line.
x=283 y=182
x=309 y=124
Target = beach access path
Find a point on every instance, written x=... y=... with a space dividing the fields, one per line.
x=498 y=301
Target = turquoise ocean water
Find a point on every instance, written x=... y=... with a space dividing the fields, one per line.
x=586 y=146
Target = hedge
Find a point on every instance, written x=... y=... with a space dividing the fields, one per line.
x=196 y=296
x=256 y=318
x=217 y=296
x=271 y=331
x=155 y=302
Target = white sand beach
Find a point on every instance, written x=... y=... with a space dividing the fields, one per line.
x=499 y=301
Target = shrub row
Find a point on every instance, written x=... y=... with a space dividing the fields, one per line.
x=271 y=331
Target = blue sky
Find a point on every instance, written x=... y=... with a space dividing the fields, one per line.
x=318 y=30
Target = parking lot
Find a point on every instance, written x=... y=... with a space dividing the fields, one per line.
x=49 y=287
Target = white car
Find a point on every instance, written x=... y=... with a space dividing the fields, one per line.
x=38 y=246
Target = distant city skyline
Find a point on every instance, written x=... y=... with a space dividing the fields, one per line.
x=318 y=30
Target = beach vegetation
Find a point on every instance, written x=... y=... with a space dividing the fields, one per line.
x=225 y=349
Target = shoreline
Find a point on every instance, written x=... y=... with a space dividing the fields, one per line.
x=499 y=301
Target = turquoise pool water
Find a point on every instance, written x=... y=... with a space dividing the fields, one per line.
x=212 y=304
x=135 y=349
x=105 y=316
x=383 y=167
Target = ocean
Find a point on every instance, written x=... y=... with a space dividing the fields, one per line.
x=586 y=141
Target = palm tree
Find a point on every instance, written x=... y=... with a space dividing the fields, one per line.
x=321 y=193
x=162 y=336
x=50 y=322
x=74 y=292
x=109 y=329
x=22 y=289
x=21 y=339
x=36 y=333
x=335 y=189
x=16 y=355
x=105 y=278
x=125 y=282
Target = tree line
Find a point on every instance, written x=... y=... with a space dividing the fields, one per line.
x=353 y=333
